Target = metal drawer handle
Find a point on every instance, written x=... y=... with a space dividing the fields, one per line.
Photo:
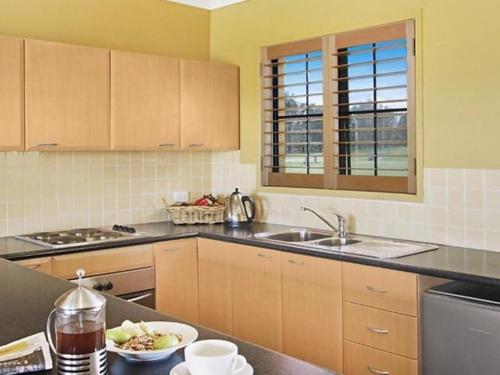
x=378 y=330
x=47 y=144
x=166 y=144
x=295 y=262
x=34 y=266
x=139 y=298
x=378 y=372
x=196 y=145
x=264 y=256
x=376 y=290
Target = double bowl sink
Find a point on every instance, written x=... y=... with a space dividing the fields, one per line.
x=312 y=237
x=325 y=241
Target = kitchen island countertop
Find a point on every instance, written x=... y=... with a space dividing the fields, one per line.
x=26 y=298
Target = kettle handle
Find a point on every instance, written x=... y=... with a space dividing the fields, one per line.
x=245 y=199
x=49 y=328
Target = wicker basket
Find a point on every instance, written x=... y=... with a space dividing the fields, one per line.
x=196 y=214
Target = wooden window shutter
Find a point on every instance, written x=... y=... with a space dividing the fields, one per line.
x=292 y=114
x=372 y=110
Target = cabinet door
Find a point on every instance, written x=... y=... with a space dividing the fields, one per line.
x=39 y=264
x=312 y=310
x=176 y=265
x=209 y=106
x=256 y=295
x=145 y=102
x=214 y=272
x=67 y=97
x=11 y=94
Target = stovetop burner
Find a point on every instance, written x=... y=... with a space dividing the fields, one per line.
x=83 y=236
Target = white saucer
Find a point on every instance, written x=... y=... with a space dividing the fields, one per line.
x=181 y=369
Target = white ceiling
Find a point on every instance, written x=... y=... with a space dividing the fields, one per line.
x=208 y=4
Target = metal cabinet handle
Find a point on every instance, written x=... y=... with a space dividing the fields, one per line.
x=166 y=145
x=264 y=256
x=170 y=250
x=295 y=262
x=378 y=330
x=196 y=145
x=139 y=298
x=34 y=266
x=376 y=290
x=378 y=372
x=47 y=145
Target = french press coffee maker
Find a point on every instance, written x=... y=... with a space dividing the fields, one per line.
x=80 y=323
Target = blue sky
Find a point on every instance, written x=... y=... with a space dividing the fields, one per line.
x=395 y=49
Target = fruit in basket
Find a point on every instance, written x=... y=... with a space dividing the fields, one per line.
x=207 y=200
x=201 y=202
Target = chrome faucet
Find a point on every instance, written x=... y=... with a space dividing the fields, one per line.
x=340 y=229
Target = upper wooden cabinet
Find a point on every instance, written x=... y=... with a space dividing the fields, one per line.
x=209 y=106
x=11 y=94
x=67 y=97
x=145 y=102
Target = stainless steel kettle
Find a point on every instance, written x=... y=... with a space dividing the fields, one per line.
x=238 y=212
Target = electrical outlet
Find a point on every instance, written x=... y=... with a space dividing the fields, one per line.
x=181 y=196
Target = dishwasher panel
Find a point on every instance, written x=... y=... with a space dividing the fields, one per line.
x=461 y=331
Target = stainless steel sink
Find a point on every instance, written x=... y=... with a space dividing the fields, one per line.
x=326 y=241
x=336 y=242
x=294 y=235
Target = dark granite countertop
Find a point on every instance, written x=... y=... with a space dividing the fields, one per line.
x=446 y=262
x=26 y=298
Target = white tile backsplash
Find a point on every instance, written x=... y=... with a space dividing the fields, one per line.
x=48 y=191
x=460 y=207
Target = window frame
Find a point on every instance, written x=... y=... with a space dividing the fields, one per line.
x=332 y=178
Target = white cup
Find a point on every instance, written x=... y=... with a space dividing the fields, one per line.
x=214 y=357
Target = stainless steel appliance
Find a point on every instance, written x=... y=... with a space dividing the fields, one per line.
x=240 y=209
x=461 y=329
x=82 y=237
x=134 y=286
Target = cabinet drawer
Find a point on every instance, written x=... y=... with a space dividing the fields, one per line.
x=379 y=329
x=103 y=261
x=377 y=287
x=362 y=360
x=39 y=264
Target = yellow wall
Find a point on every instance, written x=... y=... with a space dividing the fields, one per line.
x=150 y=26
x=461 y=60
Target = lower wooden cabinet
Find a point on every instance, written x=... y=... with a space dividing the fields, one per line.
x=103 y=261
x=38 y=264
x=214 y=276
x=177 y=278
x=256 y=295
x=392 y=332
x=312 y=309
x=362 y=360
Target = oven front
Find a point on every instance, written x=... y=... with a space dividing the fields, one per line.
x=137 y=286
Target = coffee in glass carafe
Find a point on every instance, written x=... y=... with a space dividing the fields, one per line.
x=79 y=323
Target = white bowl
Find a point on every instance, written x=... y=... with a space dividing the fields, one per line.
x=189 y=335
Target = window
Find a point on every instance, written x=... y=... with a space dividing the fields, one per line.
x=339 y=111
